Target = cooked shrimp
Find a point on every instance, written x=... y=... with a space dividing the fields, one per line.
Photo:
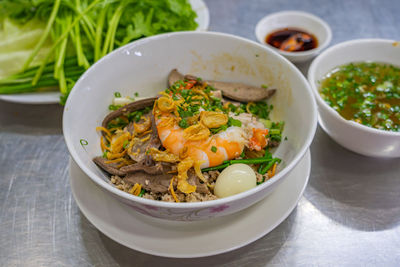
x=210 y=150
x=194 y=139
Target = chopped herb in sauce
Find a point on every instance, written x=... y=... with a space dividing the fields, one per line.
x=367 y=93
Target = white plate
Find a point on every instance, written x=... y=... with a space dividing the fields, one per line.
x=203 y=15
x=33 y=98
x=187 y=239
x=203 y=20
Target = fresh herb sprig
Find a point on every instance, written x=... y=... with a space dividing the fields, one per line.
x=260 y=109
x=85 y=30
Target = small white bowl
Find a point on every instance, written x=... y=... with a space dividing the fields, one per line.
x=143 y=67
x=354 y=136
x=299 y=20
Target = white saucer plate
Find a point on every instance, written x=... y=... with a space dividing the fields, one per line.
x=203 y=21
x=203 y=15
x=187 y=239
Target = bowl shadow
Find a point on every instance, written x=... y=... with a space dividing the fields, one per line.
x=356 y=191
x=257 y=253
x=254 y=254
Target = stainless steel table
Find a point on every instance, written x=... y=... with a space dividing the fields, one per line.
x=348 y=216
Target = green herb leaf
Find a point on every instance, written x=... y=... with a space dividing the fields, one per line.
x=125 y=144
x=142 y=192
x=91 y=28
x=234 y=122
x=183 y=123
x=114 y=107
x=217 y=130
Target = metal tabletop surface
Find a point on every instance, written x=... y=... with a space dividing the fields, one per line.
x=349 y=214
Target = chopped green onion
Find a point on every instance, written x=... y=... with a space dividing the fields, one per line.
x=274 y=131
x=83 y=142
x=183 y=123
x=142 y=192
x=234 y=122
x=114 y=107
x=214 y=149
x=117 y=94
x=217 y=130
x=260 y=109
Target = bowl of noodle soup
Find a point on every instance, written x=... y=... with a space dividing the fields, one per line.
x=143 y=67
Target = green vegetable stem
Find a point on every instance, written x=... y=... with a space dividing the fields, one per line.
x=64 y=37
x=267 y=162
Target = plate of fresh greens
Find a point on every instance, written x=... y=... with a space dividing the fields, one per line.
x=45 y=46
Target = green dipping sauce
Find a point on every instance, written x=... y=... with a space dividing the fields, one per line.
x=367 y=93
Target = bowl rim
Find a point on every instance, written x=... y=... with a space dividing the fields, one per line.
x=186 y=205
x=321 y=103
x=303 y=14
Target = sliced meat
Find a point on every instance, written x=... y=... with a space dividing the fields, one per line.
x=134 y=106
x=242 y=92
x=174 y=76
x=130 y=128
x=111 y=168
x=150 y=182
x=154 y=142
x=194 y=180
x=138 y=149
x=273 y=143
x=157 y=168
x=140 y=166
x=236 y=91
x=192 y=77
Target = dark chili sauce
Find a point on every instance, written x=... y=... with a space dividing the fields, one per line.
x=292 y=40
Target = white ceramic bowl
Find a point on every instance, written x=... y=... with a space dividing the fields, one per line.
x=354 y=136
x=143 y=67
x=295 y=19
